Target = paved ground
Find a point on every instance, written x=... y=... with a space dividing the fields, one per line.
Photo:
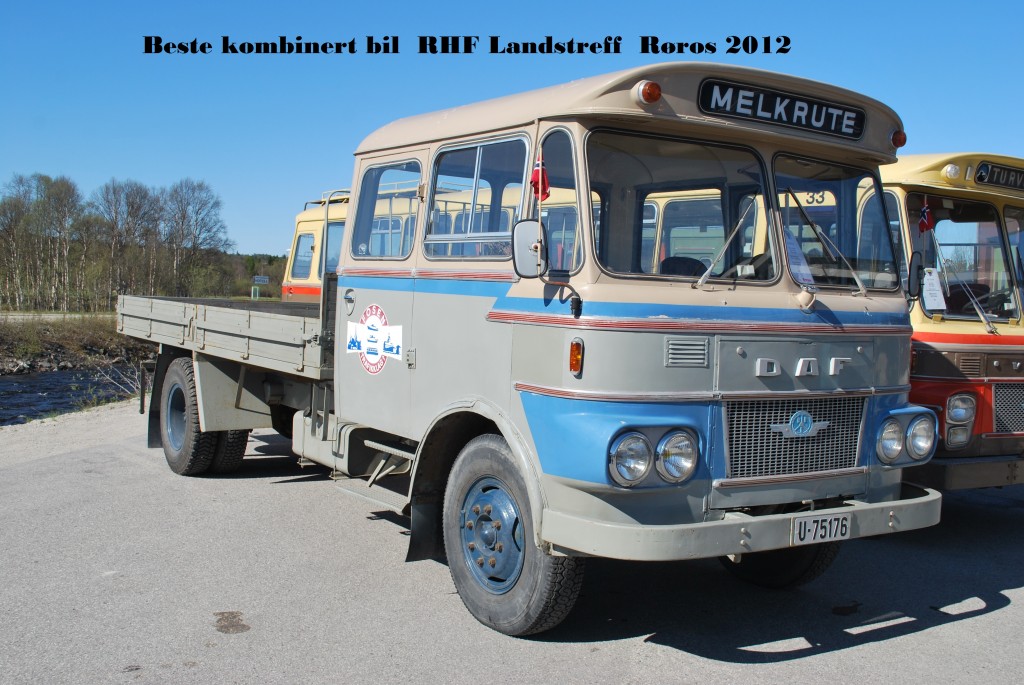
x=113 y=569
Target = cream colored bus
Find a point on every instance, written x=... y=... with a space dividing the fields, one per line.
x=311 y=254
x=649 y=315
x=963 y=213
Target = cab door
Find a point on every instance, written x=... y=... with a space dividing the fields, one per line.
x=375 y=296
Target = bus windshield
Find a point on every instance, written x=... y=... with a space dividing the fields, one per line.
x=966 y=251
x=834 y=226
x=668 y=208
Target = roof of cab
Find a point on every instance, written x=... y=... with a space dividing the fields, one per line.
x=926 y=167
x=607 y=94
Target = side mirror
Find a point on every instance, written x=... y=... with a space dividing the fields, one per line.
x=915 y=274
x=529 y=249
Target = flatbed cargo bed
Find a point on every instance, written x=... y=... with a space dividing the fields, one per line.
x=287 y=337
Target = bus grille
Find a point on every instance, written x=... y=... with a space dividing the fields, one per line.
x=755 y=450
x=1009 y=407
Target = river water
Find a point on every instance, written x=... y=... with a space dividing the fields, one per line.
x=35 y=395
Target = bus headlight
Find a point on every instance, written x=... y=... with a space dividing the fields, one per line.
x=960 y=409
x=629 y=458
x=676 y=459
x=920 y=437
x=890 y=441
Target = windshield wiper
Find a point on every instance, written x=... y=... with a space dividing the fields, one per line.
x=828 y=245
x=728 y=241
x=970 y=294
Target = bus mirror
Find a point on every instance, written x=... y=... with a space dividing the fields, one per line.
x=529 y=249
x=915 y=276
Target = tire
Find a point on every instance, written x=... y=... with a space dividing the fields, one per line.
x=230 y=451
x=783 y=568
x=505 y=581
x=281 y=419
x=188 y=450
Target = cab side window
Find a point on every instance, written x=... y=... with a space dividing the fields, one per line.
x=477 y=192
x=386 y=213
x=302 y=262
x=553 y=183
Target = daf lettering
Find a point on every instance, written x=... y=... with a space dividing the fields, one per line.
x=805 y=366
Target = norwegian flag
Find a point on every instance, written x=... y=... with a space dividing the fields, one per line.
x=927 y=220
x=539 y=181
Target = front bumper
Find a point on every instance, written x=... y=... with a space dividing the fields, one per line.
x=969 y=472
x=737 y=533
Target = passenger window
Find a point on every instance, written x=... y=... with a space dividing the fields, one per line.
x=302 y=262
x=386 y=214
x=476 y=198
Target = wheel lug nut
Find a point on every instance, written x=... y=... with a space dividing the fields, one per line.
x=497 y=525
x=469 y=524
x=471 y=546
x=487 y=509
x=499 y=547
x=476 y=509
x=492 y=562
x=480 y=561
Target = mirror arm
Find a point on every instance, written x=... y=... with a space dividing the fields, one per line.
x=575 y=301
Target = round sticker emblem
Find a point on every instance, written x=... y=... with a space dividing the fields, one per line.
x=373 y=321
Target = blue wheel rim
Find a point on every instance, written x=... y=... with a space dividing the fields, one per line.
x=492 y=535
x=176 y=416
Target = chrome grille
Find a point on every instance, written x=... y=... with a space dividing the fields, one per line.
x=1009 y=407
x=755 y=450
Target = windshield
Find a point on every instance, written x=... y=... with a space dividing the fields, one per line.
x=667 y=208
x=974 y=270
x=834 y=226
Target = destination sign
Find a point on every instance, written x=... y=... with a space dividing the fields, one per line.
x=725 y=98
x=990 y=174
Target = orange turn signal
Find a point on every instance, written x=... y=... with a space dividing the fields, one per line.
x=576 y=357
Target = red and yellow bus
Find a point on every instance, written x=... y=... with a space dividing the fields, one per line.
x=963 y=213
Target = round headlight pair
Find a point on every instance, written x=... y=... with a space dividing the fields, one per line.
x=919 y=439
x=631 y=456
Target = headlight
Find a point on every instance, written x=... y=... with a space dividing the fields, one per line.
x=890 y=441
x=920 y=437
x=960 y=409
x=677 y=456
x=629 y=459
x=958 y=436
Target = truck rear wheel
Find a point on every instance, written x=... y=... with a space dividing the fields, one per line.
x=502 y=577
x=783 y=568
x=188 y=450
x=230 y=451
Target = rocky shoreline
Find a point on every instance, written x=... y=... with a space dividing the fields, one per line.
x=39 y=346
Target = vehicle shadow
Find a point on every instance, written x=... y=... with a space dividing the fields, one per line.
x=877 y=589
x=269 y=455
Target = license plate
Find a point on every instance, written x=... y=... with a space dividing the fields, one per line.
x=808 y=530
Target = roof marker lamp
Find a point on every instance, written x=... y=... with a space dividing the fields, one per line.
x=647 y=92
x=629 y=458
x=898 y=138
x=951 y=172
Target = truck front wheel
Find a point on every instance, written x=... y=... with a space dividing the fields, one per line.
x=188 y=450
x=783 y=568
x=502 y=577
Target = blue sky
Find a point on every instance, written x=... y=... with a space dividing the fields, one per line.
x=269 y=132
